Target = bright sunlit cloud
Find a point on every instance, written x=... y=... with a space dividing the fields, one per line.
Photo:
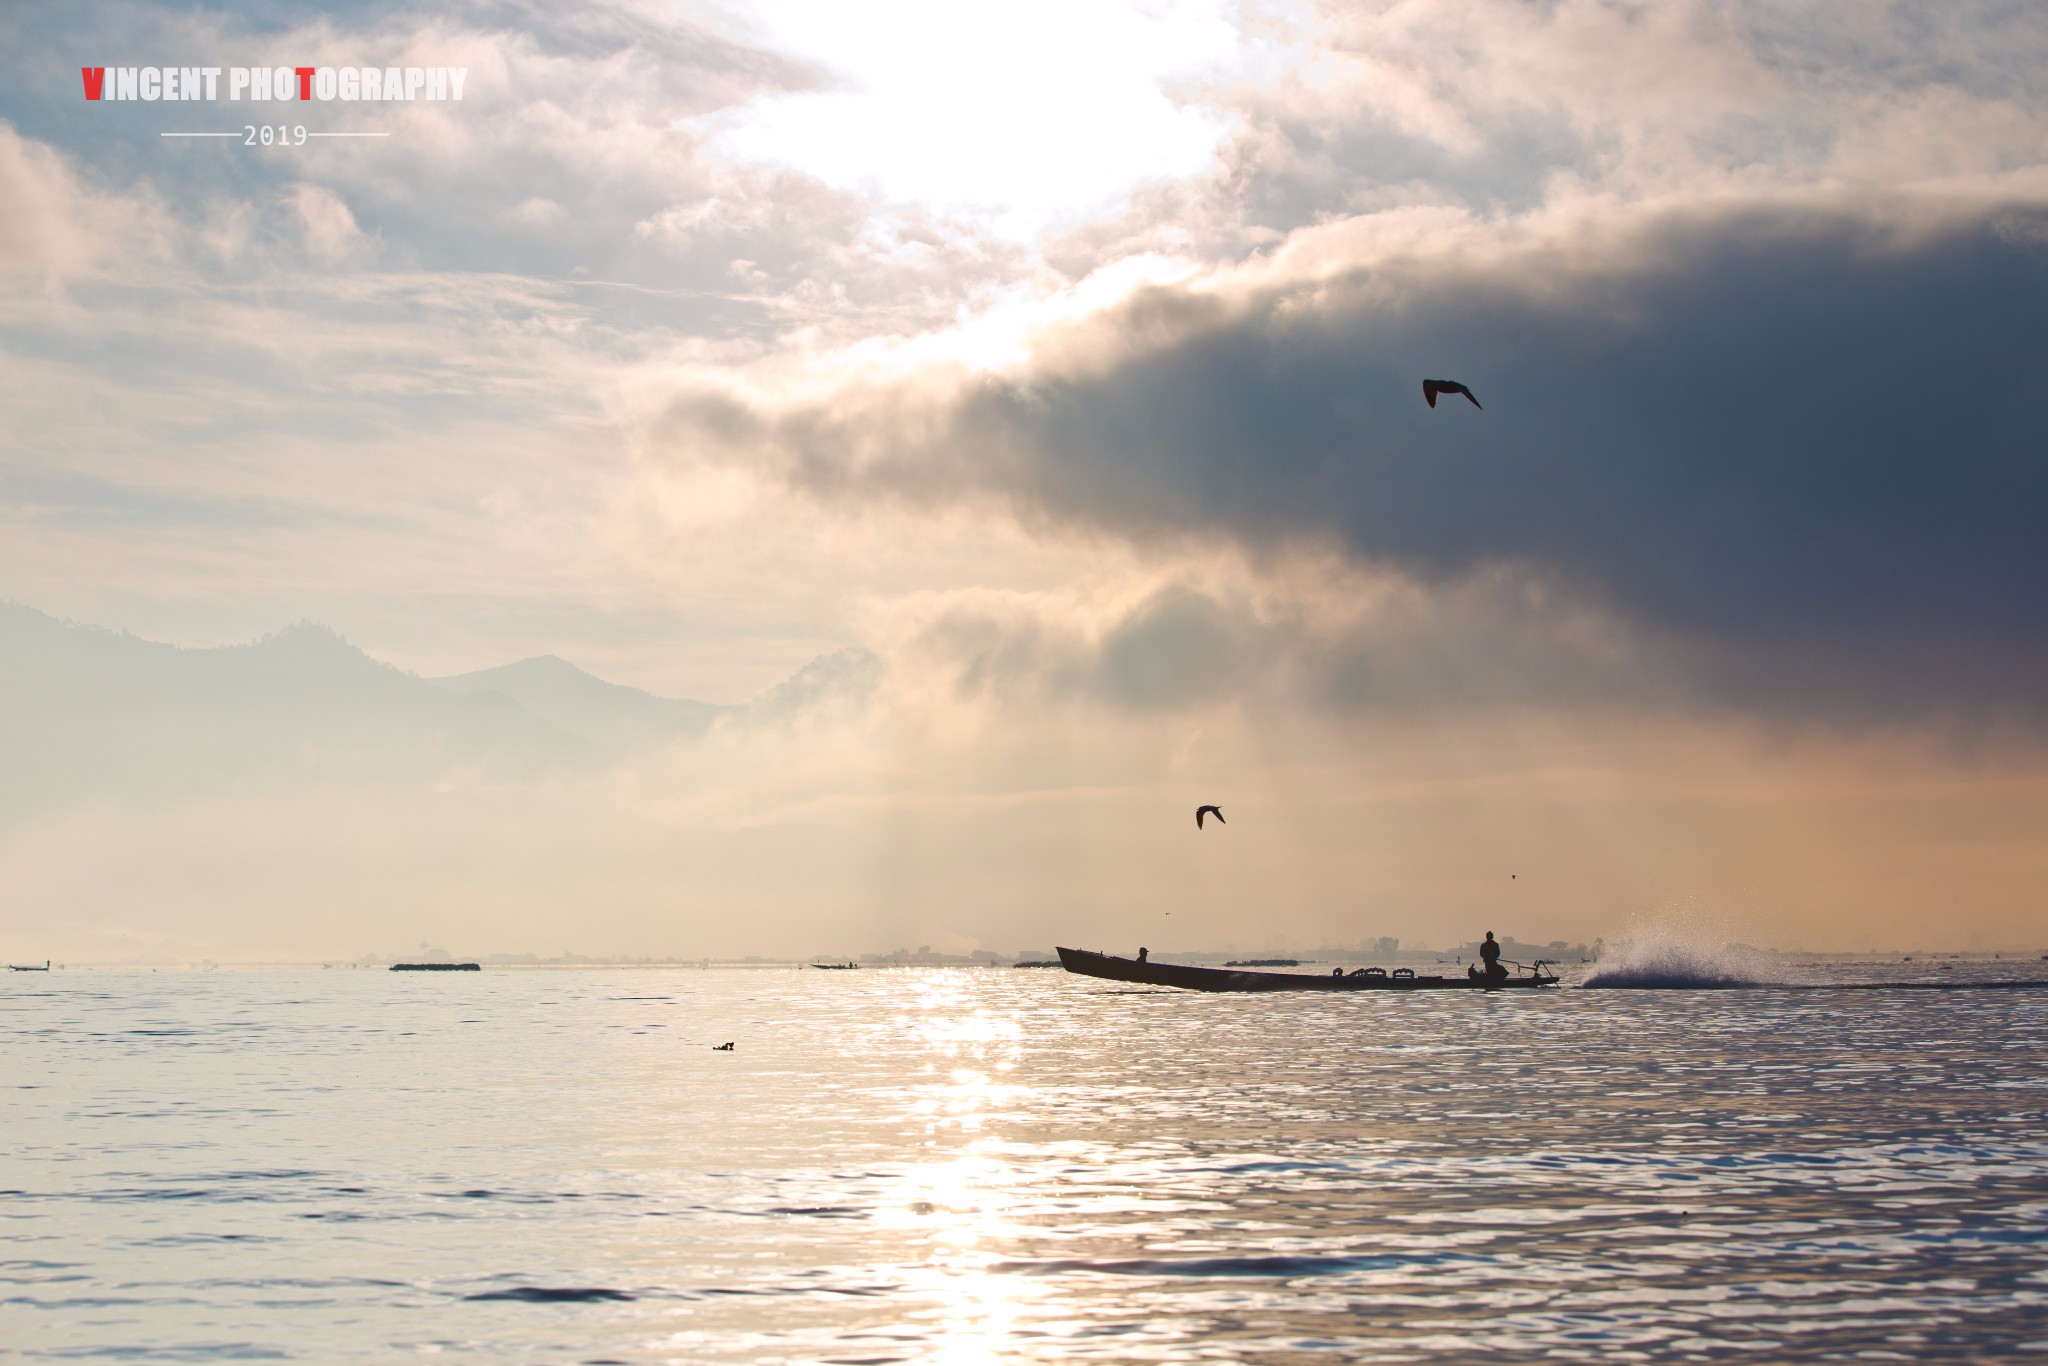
x=1022 y=114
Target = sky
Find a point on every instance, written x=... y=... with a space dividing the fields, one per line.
x=1009 y=417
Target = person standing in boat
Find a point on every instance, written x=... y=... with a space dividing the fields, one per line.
x=1489 y=954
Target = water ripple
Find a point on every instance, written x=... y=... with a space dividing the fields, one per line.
x=966 y=1166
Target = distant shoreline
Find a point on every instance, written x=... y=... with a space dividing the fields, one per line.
x=1919 y=956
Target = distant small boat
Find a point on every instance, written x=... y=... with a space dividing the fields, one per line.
x=436 y=967
x=1227 y=979
x=1037 y=963
x=29 y=967
x=836 y=967
x=1263 y=963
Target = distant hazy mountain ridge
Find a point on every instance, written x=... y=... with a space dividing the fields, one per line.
x=609 y=715
x=86 y=709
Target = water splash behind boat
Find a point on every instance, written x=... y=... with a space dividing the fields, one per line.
x=1672 y=958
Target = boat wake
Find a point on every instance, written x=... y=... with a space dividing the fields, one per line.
x=1669 y=960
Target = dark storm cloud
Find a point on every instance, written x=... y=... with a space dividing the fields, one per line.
x=1803 y=445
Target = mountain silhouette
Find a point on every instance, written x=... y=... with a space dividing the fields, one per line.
x=609 y=715
x=85 y=710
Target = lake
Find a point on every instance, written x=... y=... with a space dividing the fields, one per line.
x=925 y=1165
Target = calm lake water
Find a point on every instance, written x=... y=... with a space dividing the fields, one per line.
x=967 y=1166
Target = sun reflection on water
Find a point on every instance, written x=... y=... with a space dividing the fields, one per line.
x=961 y=1203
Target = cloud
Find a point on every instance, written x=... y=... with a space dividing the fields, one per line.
x=329 y=229
x=832 y=689
x=570 y=157
x=1313 y=636
x=53 y=223
x=1796 y=435
x=1502 y=107
x=1499 y=190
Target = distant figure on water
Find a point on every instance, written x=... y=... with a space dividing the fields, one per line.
x=1202 y=811
x=721 y=1048
x=1432 y=387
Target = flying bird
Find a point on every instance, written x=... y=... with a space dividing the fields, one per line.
x=1432 y=387
x=1202 y=811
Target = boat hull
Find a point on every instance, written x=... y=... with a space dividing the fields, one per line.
x=1115 y=969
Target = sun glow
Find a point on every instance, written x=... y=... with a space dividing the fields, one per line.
x=1021 y=115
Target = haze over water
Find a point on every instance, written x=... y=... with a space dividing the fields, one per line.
x=962 y=1166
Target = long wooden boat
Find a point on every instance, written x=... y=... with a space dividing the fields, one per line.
x=1236 y=979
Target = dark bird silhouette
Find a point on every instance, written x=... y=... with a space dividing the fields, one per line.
x=1202 y=811
x=1432 y=387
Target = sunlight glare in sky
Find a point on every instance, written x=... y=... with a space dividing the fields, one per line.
x=1019 y=114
